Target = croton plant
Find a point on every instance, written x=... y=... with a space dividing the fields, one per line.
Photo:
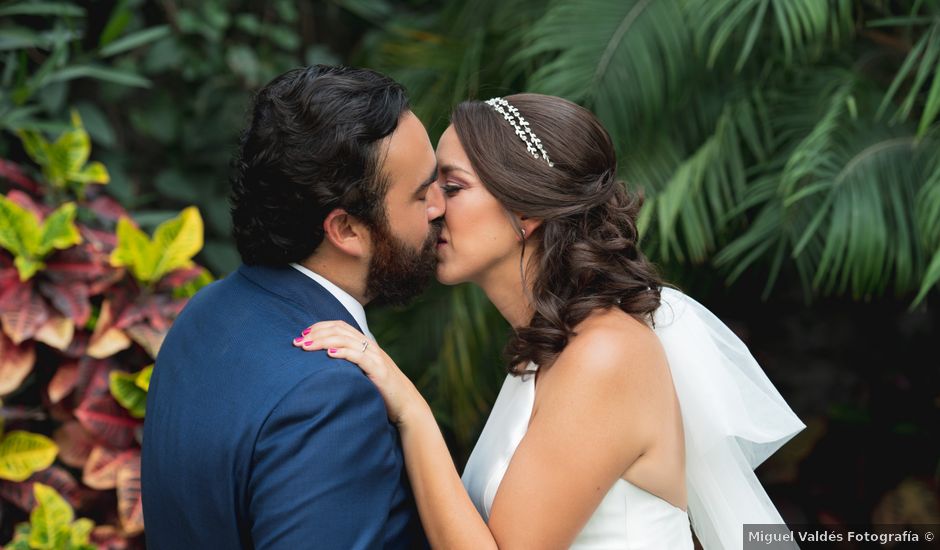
x=86 y=298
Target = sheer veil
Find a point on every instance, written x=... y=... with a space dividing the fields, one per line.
x=733 y=418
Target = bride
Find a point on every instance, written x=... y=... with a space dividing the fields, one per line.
x=629 y=411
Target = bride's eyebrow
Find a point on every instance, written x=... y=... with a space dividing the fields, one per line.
x=453 y=168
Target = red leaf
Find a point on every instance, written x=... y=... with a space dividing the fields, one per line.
x=21 y=323
x=78 y=345
x=101 y=468
x=16 y=362
x=93 y=378
x=14 y=173
x=74 y=444
x=13 y=292
x=108 y=537
x=146 y=336
x=108 y=422
x=179 y=277
x=70 y=299
x=63 y=381
x=107 y=208
x=27 y=202
x=130 y=509
x=21 y=493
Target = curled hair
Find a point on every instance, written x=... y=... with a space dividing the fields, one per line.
x=585 y=255
x=311 y=145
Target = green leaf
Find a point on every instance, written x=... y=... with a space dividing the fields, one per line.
x=143 y=378
x=94 y=172
x=23 y=453
x=125 y=390
x=133 y=251
x=100 y=72
x=81 y=531
x=59 y=231
x=135 y=40
x=61 y=9
x=50 y=519
x=177 y=241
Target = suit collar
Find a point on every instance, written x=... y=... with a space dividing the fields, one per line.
x=295 y=287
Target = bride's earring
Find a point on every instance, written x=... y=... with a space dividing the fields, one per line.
x=523 y=233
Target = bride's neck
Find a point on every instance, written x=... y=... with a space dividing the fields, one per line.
x=503 y=286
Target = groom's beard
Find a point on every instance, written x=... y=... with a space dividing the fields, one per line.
x=398 y=272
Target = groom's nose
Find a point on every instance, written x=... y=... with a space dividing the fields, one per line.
x=436 y=202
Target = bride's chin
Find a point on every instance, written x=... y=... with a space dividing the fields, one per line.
x=445 y=279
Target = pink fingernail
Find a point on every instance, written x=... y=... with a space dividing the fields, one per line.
x=306 y=331
x=298 y=340
x=331 y=350
x=308 y=342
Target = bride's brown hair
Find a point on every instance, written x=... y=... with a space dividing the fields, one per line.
x=585 y=255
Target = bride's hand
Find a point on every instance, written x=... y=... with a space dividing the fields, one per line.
x=341 y=341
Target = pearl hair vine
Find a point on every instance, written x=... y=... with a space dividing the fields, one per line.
x=521 y=126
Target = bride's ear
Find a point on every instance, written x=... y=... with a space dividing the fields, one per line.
x=527 y=225
x=346 y=232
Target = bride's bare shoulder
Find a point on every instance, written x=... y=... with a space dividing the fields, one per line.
x=613 y=339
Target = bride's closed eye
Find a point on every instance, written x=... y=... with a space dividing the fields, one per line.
x=450 y=189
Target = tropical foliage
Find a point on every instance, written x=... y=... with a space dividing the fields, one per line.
x=86 y=298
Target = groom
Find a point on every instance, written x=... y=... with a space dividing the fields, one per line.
x=250 y=442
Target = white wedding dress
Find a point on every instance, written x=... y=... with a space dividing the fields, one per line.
x=733 y=419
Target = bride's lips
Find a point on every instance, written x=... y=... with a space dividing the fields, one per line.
x=441 y=241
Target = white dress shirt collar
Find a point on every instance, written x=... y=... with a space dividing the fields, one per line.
x=351 y=304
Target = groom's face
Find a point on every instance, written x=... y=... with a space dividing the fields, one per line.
x=403 y=241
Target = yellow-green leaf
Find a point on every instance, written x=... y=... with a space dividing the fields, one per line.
x=24 y=453
x=94 y=172
x=177 y=241
x=59 y=231
x=73 y=147
x=134 y=251
x=143 y=378
x=50 y=519
x=35 y=145
x=125 y=390
x=19 y=228
x=27 y=267
x=81 y=531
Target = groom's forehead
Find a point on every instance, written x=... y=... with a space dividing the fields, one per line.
x=407 y=158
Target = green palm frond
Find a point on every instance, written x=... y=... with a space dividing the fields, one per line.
x=622 y=59
x=695 y=202
x=927 y=215
x=455 y=54
x=799 y=27
x=841 y=209
x=923 y=63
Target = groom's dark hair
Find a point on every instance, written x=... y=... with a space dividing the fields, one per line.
x=311 y=145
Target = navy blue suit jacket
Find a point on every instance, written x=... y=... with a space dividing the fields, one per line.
x=250 y=442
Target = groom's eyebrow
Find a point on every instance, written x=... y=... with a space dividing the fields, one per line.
x=427 y=183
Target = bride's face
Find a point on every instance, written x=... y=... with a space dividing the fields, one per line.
x=478 y=242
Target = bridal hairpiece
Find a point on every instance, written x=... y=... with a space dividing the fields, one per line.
x=521 y=126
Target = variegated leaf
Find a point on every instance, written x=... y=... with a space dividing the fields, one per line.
x=63 y=381
x=101 y=468
x=75 y=445
x=107 y=421
x=24 y=453
x=16 y=362
x=130 y=508
x=56 y=332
